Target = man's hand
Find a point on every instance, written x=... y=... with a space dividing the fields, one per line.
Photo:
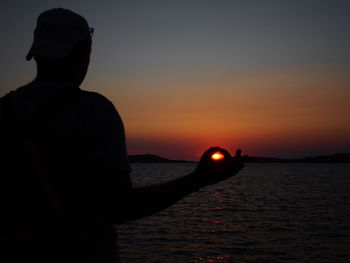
x=213 y=170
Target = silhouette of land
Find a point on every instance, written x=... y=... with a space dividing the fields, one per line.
x=152 y=158
x=335 y=158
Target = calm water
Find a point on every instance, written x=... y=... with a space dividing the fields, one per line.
x=267 y=213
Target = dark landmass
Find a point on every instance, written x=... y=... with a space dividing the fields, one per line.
x=151 y=158
x=335 y=158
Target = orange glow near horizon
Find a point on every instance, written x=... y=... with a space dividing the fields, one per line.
x=273 y=113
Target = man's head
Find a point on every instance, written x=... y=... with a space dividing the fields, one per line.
x=62 y=45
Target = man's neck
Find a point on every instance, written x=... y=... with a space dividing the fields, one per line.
x=40 y=78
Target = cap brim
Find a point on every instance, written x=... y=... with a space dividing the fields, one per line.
x=29 y=56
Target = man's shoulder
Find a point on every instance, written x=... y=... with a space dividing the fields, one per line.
x=93 y=96
x=95 y=101
x=96 y=106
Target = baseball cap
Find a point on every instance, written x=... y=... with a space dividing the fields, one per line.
x=57 y=32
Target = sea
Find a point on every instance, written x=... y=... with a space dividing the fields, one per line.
x=269 y=212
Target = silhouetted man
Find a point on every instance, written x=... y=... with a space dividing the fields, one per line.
x=84 y=149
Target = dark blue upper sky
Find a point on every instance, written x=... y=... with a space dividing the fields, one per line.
x=182 y=35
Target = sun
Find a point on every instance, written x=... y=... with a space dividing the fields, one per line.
x=217 y=156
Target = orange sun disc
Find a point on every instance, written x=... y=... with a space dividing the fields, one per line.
x=217 y=156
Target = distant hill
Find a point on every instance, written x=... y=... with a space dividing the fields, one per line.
x=335 y=158
x=152 y=158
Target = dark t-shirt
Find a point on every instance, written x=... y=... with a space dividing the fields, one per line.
x=83 y=144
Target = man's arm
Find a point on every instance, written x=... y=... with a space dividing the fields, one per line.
x=144 y=201
x=109 y=168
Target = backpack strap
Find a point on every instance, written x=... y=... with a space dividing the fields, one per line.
x=30 y=134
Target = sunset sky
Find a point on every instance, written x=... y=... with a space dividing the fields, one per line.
x=270 y=77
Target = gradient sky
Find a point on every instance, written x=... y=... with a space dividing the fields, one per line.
x=271 y=77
